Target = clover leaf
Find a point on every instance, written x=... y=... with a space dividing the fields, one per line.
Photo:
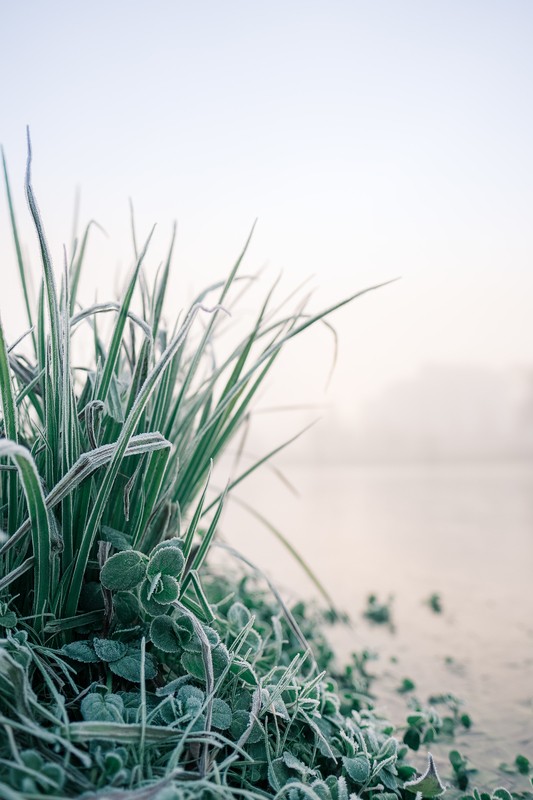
x=96 y=707
x=126 y=607
x=165 y=634
x=149 y=603
x=358 y=768
x=222 y=716
x=242 y=720
x=238 y=616
x=193 y=644
x=119 y=540
x=81 y=651
x=123 y=571
x=129 y=666
x=164 y=589
x=109 y=649
x=8 y=619
x=167 y=561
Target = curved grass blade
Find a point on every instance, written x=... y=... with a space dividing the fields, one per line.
x=10 y=426
x=24 y=277
x=17 y=572
x=102 y=308
x=49 y=279
x=38 y=516
x=83 y=468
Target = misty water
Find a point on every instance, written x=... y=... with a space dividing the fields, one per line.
x=462 y=530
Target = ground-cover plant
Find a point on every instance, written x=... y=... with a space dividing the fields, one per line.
x=128 y=668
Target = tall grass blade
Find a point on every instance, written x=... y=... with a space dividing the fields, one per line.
x=75 y=271
x=38 y=516
x=159 y=295
x=10 y=427
x=23 y=272
x=116 y=340
x=200 y=349
x=191 y=530
x=49 y=279
x=206 y=541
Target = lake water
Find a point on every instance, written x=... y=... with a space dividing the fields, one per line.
x=462 y=530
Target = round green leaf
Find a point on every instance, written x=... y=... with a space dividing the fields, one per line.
x=253 y=641
x=55 y=773
x=222 y=716
x=411 y=738
x=32 y=759
x=358 y=768
x=126 y=607
x=150 y=605
x=109 y=649
x=119 y=540
x=113 y=762
x=194 y=664
x=238 y=616
x=257 y=733
x=278 y=774
x=502 y=794
x=168 y=712
x=190 y=697
x=164 y=634
x=193 y=644
x=129 y=667
x=8 y=620
x=168 y=561
x=123 y=571
x=166 y=591
x=80 y=651
x=102 y=708
x=174 y=542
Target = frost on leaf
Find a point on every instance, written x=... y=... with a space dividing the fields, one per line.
x=429 y=784
x=123 y=571
x=102 y=708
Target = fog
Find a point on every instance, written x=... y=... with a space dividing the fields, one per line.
x=443 y=412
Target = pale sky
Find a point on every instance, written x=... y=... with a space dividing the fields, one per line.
x=371 y=139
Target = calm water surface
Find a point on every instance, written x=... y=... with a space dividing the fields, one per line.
x=464 y=531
